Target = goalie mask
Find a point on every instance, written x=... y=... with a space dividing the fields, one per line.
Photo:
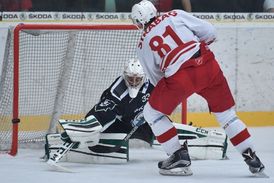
x=134 y=77
x=142 y=13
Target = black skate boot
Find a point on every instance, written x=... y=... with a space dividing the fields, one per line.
x=177 y=164
x=254 y=163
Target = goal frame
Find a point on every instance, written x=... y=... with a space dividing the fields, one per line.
x=16 y=59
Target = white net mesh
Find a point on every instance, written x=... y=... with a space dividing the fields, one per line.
x=62 y=74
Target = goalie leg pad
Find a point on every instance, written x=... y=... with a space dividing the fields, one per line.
x=85 y=155
x=202 y=143
x=86 y=131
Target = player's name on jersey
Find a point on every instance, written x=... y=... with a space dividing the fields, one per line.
x=124 y=17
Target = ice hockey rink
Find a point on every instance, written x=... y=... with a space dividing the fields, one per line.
x=27 y=167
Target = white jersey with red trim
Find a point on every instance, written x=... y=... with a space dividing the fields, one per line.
x=169 y=41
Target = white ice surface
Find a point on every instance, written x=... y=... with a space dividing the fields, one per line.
x=26 y=167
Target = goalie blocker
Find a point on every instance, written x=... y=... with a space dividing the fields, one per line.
x=203 y=144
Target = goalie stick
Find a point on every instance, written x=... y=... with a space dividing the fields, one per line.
x=136 y=122
x=105 y=149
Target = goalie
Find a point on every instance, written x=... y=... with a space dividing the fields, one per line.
x=119 y=105
x=119 y=111
x=115 y=113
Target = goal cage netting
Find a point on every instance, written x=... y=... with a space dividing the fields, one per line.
x=54 y=71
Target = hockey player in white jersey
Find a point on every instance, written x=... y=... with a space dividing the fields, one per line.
x=174 y=53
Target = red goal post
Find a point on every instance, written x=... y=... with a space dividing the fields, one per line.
x=59 y=71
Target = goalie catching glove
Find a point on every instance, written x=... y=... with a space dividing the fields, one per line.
x=86 y=132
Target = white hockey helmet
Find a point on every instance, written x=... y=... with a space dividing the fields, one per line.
x=142 y=13
x=134 y=76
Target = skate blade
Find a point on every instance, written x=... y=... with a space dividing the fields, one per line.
x=55 y=167
x=180 y=171
x=261 y=175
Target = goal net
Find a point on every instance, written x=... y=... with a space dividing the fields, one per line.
x=57 y=71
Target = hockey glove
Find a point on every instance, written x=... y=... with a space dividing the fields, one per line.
x=138 y=120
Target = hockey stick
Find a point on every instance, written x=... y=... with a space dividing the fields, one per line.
x=136 y=122
x=105 y=149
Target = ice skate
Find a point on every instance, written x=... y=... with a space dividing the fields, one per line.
x=254 y=163
x=177 y=164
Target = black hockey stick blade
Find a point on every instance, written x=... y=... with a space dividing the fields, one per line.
x=117 y=148
x=107 y=149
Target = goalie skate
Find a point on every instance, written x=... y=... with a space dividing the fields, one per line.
x=177 y=164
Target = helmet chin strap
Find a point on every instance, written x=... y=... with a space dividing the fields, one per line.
x=138 y=25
